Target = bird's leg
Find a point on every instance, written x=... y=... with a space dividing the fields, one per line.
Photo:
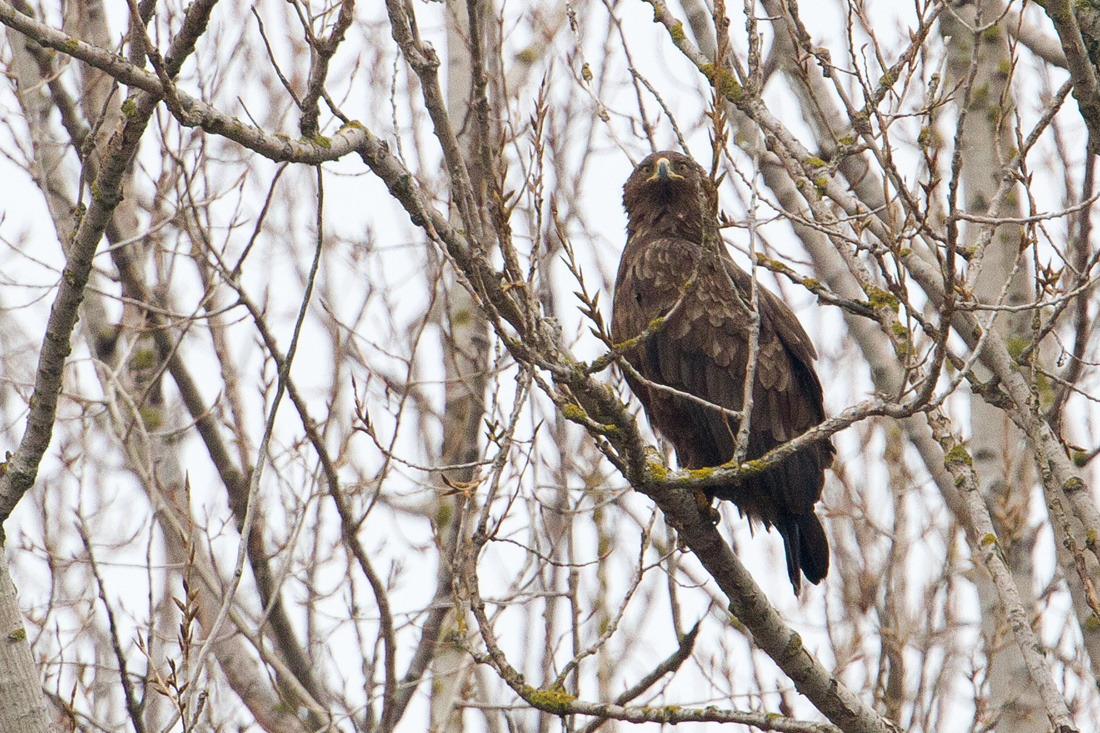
x=703 y=501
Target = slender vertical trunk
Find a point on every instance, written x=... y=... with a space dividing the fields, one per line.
x=1002 y=459
x=466 y=358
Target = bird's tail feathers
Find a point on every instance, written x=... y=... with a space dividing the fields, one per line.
x=806 y=547
x=813 y=548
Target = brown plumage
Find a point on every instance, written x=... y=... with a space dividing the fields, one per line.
x=702 y=348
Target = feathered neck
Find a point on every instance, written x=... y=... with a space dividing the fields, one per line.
x=664 y=209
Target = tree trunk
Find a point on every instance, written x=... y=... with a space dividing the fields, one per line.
x=465 y=362
x=1002 y=459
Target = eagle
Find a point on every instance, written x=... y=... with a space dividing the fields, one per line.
x=682 y=315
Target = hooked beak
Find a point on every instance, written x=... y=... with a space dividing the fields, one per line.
x=664 y=172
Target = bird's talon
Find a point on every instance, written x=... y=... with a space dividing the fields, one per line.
x=703 y=502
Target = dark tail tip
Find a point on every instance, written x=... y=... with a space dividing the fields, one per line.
x=813 y=548
x=807 y=548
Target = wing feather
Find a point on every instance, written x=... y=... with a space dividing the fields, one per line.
x=702 y=349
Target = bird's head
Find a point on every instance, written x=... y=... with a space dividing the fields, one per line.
x=662 y=196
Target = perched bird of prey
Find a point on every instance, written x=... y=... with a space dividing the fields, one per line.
x=701 y=348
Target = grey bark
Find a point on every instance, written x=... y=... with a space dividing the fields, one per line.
x=466 y=357
x=1002 y=460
